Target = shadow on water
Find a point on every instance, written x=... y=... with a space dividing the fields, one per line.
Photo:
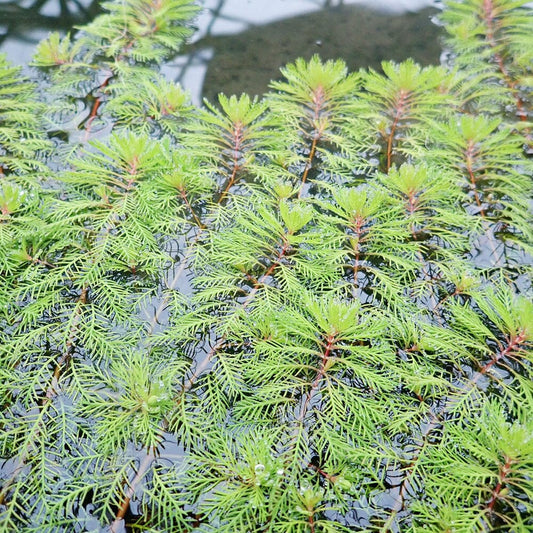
x=363 y=37
x=19 y=19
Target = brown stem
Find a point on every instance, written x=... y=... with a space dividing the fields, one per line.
x=321 y=372
x=308 y=164
x=456 y=292
x=37 y=261
x=183 y=194
x=311 y=521
x=502 y=479
x=144 y=466
x=96 y=105
x=319 y=98
x=69 y=345
x=237 y=138
x=400 y=110
x=358 y=230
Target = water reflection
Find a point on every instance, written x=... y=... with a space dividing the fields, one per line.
x=248 y=60
x=24 y=23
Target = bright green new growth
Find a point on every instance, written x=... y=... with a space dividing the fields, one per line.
x=307 y=313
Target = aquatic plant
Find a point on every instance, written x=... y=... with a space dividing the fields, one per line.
x=305 y=313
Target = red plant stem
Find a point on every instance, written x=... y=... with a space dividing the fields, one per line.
x=96 y=105
x=311 y=521
x=237 y=137
x=330 y=477
x=319 y=97
x=154 y=28
x=281 y=254
x=412 y=206
x=502 y=478
x=183 y=195
x=400 y=110
x=358 y=230
x=514 y=343
x=185 y=261
x=321 y=372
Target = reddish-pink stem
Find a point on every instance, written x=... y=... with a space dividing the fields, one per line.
x=502 y=479
x=358 y=230
x=400 y=110
x=319 y=97
x=96 y=105
x=311 y=521
x=237 y=138
x=330 y=343
x=514 y=343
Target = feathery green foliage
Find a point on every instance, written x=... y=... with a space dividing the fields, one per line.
x=298 y=314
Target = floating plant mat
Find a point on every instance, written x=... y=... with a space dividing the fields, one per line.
x=305 y=313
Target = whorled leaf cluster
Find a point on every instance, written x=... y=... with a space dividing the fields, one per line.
x=307 y=313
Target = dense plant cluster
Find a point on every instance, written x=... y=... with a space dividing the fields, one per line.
x=306 y=313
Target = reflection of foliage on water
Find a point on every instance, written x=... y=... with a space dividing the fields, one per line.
x=362 y=36
x=18 y=19
x=305 y=313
